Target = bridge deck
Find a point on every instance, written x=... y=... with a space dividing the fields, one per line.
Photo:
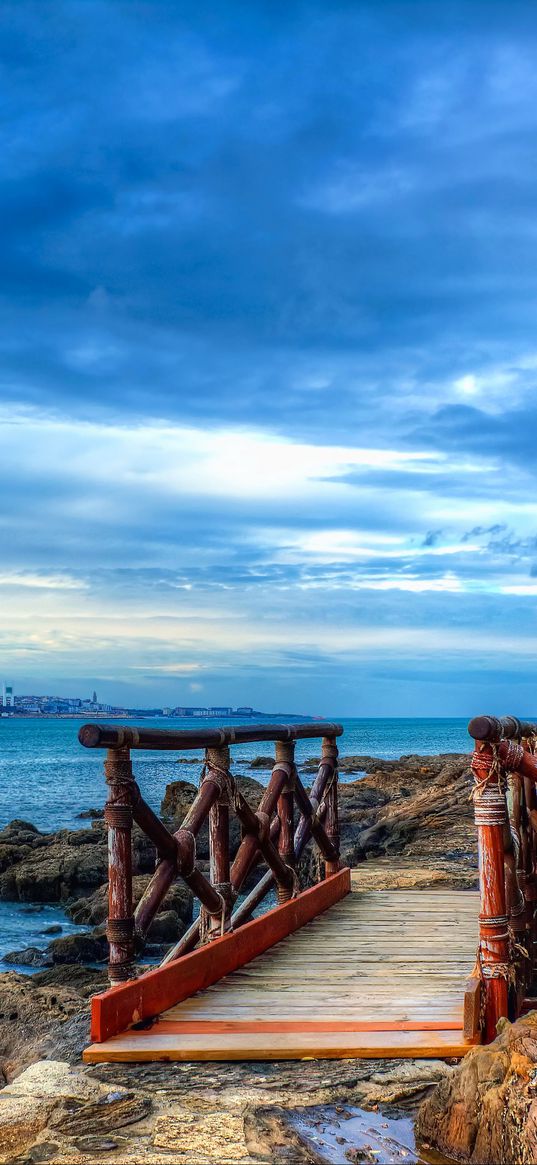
x=382 y=973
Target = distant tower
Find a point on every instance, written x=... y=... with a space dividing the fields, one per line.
x=94 y=698
x=8 y=699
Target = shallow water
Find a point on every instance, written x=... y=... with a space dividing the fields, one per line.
x=22 y=925
x=342 y=1134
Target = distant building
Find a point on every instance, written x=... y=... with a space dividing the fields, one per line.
x=243 y=711
x=94 y=698
x=8 y=699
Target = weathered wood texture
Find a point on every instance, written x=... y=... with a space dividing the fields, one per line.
x=133 y=1002
x=381 y=973
x=505 y=773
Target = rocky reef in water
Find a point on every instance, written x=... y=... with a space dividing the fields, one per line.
x=414 y=809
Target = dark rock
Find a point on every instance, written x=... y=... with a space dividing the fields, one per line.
x=85 y=980
x=93 y=911
x=167 y=927
x=95 y=1145
x=262 y=762
x=78 y=948
x=91 y=814
x=68 y=864
x=113 y=1111
x=179 y=796
x=29 y=957
x=55 y=928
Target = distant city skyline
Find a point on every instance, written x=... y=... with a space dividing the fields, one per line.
x=268 y=390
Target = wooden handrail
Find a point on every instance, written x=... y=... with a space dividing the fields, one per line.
x=505 y=805
x=267 y=832
x=160 y=739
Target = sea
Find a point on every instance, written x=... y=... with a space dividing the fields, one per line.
x=47 y=778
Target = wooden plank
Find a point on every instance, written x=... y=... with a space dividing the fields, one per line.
x=472 y=1008
x=115 y=1010
x=139 y=1046
x=264 y=1027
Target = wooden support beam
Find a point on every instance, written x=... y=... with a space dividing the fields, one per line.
x=118 y=816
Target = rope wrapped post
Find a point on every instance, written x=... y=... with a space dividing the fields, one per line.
x=217 y=763
x=285 y=759
x=490 y=810
x=330 y=754
x=530 y=884
x=118 y=816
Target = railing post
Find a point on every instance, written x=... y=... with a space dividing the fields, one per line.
x=490 y=810
x=285 y=758
x=217 y=763
x=118 y=816
x=331 y=824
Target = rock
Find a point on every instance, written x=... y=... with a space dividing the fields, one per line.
x=167 y=927
x=91 y=814
x=418 y=798
x=57 y=867
x=55 y=928
x=31 y=1008
x=179 y=796
x=93 y=911
x=485 y=1111
x=262 y=762
x=78 y=948
x=51 y=1095
x=112 y=1111
x=29 y=957
x=86 y=981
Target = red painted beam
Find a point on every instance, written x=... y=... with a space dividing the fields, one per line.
x=156 y=991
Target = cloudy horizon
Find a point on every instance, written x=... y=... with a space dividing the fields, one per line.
x=269 y=356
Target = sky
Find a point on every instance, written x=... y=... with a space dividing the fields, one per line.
x=269 y=354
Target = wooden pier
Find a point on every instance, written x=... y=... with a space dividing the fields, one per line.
x=335 y=970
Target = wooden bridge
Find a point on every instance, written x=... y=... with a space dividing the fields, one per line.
x=334 y=970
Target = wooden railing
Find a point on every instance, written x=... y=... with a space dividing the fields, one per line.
x=504 y=767
x=269 y=835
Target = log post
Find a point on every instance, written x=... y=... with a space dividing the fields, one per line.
x=285 y=759
x=530 y=887
x=490 y=817
x=118 y=816
x=216 y=765
x=331 y=824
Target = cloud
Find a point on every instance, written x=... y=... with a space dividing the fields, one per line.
x=268 y=359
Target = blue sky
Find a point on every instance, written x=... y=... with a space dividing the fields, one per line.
x=269 y=355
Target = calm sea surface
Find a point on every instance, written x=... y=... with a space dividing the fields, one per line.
x=47 y=778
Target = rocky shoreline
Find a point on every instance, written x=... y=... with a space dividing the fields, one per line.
x=415 y=808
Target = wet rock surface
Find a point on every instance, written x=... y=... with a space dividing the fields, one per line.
x=198 y=1113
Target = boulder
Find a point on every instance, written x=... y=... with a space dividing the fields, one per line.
x=93 y=911
x=78 y=948
x=179 y=796
x=485 y=1111
x=61 y=866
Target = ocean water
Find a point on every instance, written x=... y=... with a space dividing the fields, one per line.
x=48 y=779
